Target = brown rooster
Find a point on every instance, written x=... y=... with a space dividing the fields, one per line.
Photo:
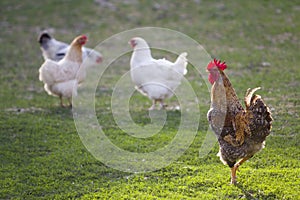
x=240 y=132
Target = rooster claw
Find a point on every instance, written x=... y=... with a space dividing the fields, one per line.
x=162 y=107
x=233 y=182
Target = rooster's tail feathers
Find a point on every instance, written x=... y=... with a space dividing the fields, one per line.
x=261 y=117
x=249 y=98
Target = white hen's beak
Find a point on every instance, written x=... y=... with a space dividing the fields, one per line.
x=99 y=59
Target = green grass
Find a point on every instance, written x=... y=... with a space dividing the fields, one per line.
x=41 y=154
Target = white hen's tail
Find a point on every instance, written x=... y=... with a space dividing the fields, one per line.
x=181 y=63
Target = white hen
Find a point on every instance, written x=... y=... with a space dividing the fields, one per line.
x=61 y=78
x=154 y=78
x=56 y=50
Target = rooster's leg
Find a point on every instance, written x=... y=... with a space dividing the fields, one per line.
x=235 y=168
x=233 y=175
x=241 y=161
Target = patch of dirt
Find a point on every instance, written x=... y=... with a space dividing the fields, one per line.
x=282 y=38
x=25 y=110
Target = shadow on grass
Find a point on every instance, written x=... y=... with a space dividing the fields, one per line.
x=144 y=116
x=249 y=194
x=66 y=111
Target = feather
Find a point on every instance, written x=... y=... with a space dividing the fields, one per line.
x=249 y=95
x=56 y=50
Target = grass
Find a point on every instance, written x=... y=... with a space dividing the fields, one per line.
x=42 y=155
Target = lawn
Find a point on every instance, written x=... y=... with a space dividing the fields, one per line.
x=42 y=154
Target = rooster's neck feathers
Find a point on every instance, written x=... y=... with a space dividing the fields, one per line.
x=231 y=96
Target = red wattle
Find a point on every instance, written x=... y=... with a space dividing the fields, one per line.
x=212 y=77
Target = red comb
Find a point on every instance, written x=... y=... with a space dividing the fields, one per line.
x=218 y=63
x=84 y=37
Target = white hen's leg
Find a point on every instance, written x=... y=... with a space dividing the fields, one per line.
x=61 y=101
x=153 y=105
x=162 y=105
x=70 y=102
